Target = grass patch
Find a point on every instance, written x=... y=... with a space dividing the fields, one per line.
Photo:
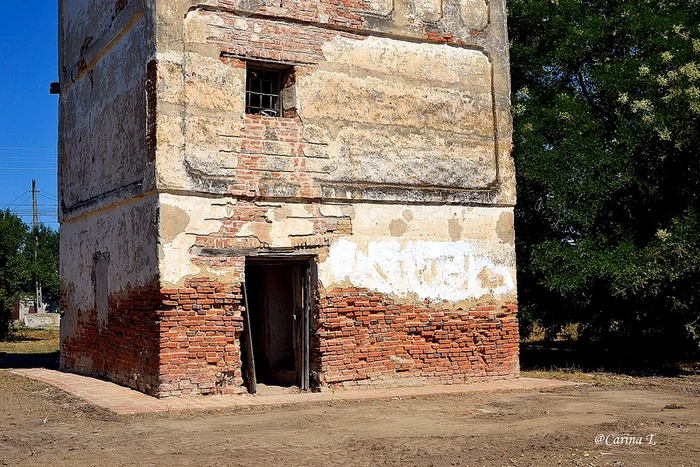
x=31 y=341
x=568 y=374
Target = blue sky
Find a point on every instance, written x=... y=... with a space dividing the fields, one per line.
x=28 y=113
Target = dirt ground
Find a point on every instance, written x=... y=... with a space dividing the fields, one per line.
x=660 y=416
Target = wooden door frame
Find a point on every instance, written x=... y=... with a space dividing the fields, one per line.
x=309 y=278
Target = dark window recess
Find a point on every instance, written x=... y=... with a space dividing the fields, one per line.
x=262 y=95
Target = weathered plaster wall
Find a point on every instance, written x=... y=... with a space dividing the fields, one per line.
x=103 y=150
x=120 y=341
x=105 y=171
x=377 y=114
x=407 y=294
x=426 y=252
x=391 y=166
x=127 y=233
x=417 y=252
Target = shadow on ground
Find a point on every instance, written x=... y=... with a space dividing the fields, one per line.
x=29 y=360
x=587 y=357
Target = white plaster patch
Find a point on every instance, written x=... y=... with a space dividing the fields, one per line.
x=380 y=7
x=429 y=10
x=205 y=218
x=414 y=61
x=434 y=270
x=199 y=24
x=475 y=13
x=169 y=56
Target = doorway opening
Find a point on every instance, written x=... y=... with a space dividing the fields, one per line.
x=276 y=339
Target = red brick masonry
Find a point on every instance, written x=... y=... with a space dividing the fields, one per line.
x=124 y=349
x=187 y=341
x=365 y=338
x=200 y=329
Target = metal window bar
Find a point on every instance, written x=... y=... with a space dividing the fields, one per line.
x=262 y=96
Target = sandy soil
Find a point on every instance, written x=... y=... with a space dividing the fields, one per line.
x=40 y=425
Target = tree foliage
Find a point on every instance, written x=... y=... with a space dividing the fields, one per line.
x=18 y=268
x=44 y=241
x=606 y=101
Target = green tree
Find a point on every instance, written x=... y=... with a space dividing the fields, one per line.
x=606 y=101
x=45 y=242
x=19 y=266
x=14 y=273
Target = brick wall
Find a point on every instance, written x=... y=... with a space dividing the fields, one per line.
x=274 y=154
x=254 y=216
x=200 y=328
x=274 y=149
x=124 y=349
x=341 y=15
x=363 y=337
x=358 y=338
x=164 y=341
x=187 y=341
x=338 y=13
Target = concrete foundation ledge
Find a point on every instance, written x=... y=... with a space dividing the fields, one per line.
x=122 y=400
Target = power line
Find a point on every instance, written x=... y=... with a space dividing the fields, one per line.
x=26 y=195
x=22 y=194
x=26 y=198
x=24 y=203
x=27 y=211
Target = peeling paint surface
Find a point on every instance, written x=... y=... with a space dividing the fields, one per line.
x=432 y=270
x=126 y=233
x=438 y=253
x=443 y=254
x=401 y=113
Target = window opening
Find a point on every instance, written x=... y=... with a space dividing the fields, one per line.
x=262 y=96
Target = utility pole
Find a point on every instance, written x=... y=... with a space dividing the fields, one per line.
x=38 y=301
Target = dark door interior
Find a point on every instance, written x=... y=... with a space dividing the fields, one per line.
x=278 y=321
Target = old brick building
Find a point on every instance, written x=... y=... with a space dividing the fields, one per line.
x=318 y=190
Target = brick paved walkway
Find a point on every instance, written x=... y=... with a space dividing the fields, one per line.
x=123 y=400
